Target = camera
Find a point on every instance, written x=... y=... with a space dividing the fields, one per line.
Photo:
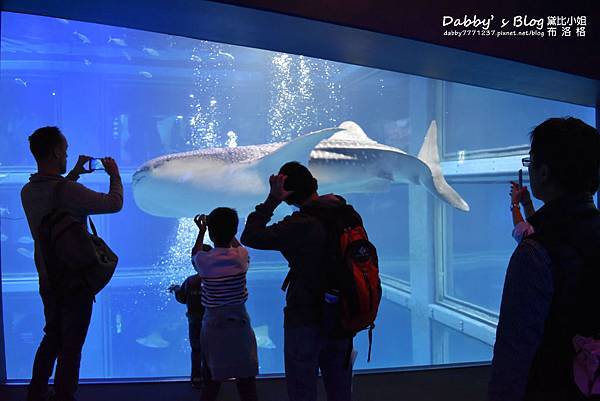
x=95 y=164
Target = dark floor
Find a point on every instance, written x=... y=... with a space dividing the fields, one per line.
x=458 y=383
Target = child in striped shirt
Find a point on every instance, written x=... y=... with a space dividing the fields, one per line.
x=227 y=338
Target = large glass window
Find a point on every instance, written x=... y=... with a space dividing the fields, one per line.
x=486 y=135
x=136 y=95
x=478 y=120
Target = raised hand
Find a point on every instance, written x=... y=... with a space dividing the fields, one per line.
x=277 y=190
x=519 y=194
x=200 y=221
x=110 y=166
x=80 y=165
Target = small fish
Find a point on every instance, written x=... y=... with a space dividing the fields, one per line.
x=63 y=21
x=150 y=51
x=25 y=240
x=87 y=62
x=117 y=41
x=262 y=337
x=4 y=211
x=145 y=74
x=21 y=82
x=196 y=58
x=25 y=252
x=82 y=37
x=3 y=237
x=225 y=54
x=153 y=340
x=127 y=56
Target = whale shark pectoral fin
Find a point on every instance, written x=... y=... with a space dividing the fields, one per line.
x=447 y=193
x=297 y=149
x=436 y=183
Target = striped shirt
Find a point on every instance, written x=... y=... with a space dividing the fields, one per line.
x=223 y=273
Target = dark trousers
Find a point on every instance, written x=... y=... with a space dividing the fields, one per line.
x=195 y=328
x=307 y=350
x=67 y=318
x=246 y=388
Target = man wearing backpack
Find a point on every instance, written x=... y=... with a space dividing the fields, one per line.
x=67 y=313
x=312 y=334
x=550 y=303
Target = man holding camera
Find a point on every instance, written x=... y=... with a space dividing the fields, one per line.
x=310 y=322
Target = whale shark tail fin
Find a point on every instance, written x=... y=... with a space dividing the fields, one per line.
x=297 y=149
x=429 y=154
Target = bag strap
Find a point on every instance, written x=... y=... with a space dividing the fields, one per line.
x=54 y=200
x=286 y=281
x=93 y=227
x=56 y=193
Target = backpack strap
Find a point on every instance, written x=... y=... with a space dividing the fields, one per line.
x=371 y=327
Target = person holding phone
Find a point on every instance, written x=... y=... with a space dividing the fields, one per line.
x=550 y=294
x=94 y=164
x=67 y=313
x=520 y=196
x=228 y=342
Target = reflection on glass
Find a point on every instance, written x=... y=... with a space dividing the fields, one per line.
x=479 y=245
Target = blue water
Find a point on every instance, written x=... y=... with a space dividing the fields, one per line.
x=143 y=95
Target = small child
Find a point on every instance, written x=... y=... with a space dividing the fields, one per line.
x=190 y=293
x=520 y=196
x=227 y=337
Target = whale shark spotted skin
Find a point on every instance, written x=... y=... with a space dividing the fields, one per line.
x=343 y=159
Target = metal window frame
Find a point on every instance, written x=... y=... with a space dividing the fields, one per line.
x=442 y=243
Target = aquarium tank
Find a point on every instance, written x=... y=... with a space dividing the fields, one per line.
x=136 y=96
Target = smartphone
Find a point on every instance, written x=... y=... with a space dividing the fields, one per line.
x=95 y=164
x=520 y=178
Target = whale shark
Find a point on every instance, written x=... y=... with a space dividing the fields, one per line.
x=343 y=159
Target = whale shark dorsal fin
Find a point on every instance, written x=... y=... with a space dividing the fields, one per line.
x=351 y=131
x=297 y=149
